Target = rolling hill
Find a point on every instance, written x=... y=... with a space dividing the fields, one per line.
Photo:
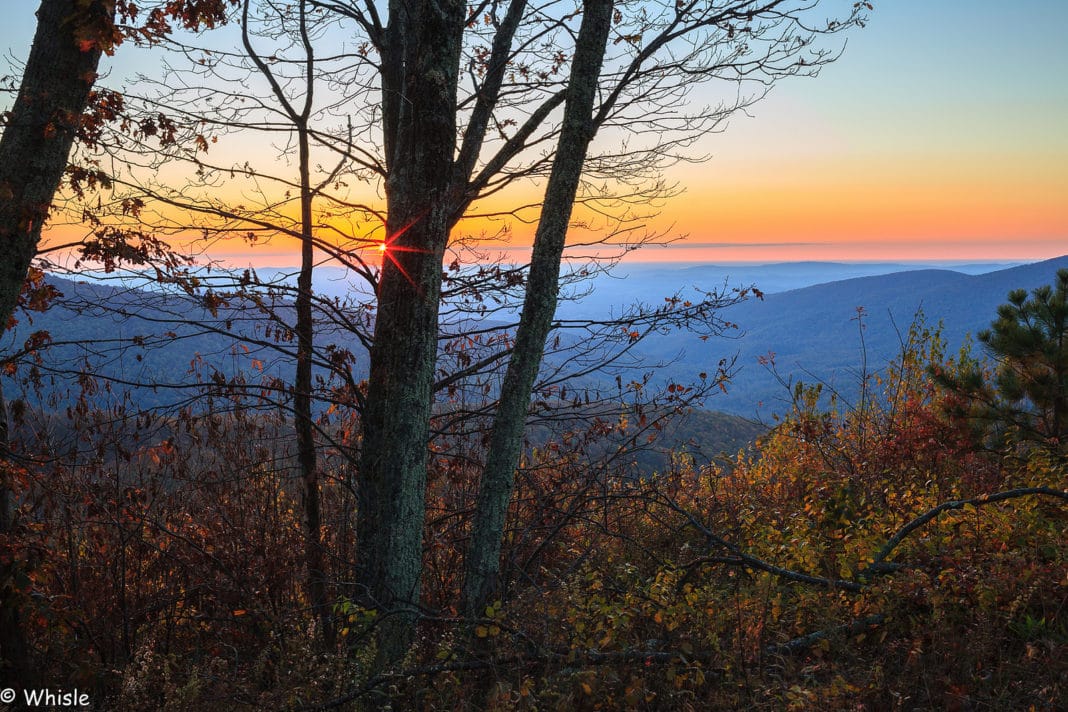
x=813 y=331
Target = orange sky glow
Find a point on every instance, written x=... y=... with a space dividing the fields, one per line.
x=930 y=147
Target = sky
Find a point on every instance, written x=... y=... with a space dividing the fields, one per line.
x=940 y=134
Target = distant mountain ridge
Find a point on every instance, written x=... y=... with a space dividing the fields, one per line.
x=653 y=281
x=812 y=330
x=657 y=280
x=814 y=333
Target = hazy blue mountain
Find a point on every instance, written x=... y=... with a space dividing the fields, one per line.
x=154 y=344
x=652 y=282
x=815 y=335
x=812 y=330
x=608 y=293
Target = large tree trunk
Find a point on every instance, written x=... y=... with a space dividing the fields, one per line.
x=539 y=307
x=16 y=669
x=41 y=128
x=37 y=139
x=419 y=120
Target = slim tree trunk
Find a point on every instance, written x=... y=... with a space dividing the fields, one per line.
x=419 y=122
x=539 y=307
x=302 y=386
x=307 y=461
x=36 y=143
x=306 y=455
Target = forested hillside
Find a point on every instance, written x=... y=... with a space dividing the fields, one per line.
x=814 y=333
x=816 y=336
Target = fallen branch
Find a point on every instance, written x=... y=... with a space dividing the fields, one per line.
x=877 y=565
x=807 y=641
x=743 y=559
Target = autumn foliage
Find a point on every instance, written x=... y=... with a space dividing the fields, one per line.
x=162 y=567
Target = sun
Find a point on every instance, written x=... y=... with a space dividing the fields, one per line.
x=382 y=247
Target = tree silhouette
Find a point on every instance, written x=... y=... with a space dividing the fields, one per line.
x=1025 y=402
x=658 y=53
x=445 y=110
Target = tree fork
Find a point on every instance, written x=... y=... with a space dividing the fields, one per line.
x=419 y=125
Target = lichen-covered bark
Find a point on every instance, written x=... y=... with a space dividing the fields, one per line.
x=539 y=306
x=419 y=117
